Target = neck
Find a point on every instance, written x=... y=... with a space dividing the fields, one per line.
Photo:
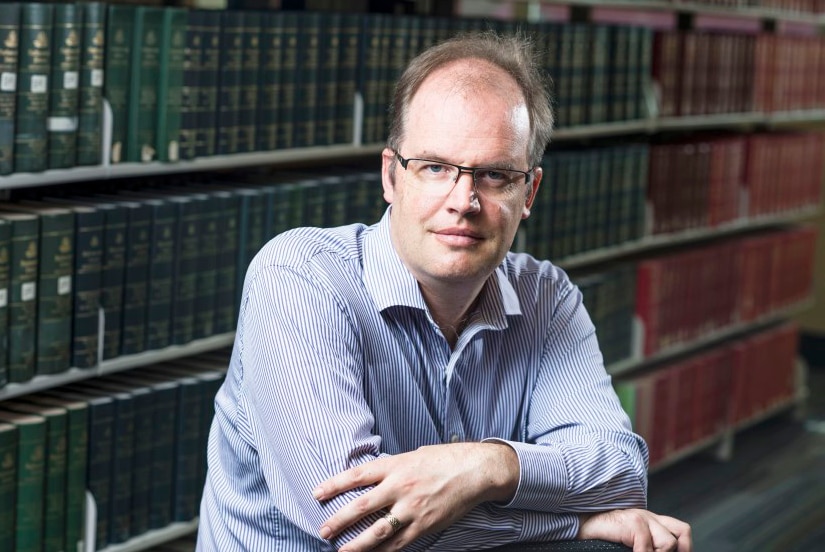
x=451 y=311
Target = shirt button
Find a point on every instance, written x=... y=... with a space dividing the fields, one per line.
x=454 y=438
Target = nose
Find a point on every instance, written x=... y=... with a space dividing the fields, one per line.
x=464 y=195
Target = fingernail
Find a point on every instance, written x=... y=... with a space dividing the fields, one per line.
x=325 y=532
x=317 y=492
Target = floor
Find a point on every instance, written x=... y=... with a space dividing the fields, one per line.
x=769 y=497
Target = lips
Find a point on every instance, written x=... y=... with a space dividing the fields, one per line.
x=458 y=236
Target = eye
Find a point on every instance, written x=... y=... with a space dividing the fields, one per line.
x=434 y=168
x=495 y=176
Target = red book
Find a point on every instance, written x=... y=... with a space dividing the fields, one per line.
x=666 y=70
x=648 y=302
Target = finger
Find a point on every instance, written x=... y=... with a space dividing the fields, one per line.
x=364 y=475
x=380 y=535
x=663 y=539
x=680 y=530
x=358 y=508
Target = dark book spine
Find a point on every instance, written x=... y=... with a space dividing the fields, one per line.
x=30 y=134
x=163 y=454
x=141 y=140
x=119 y=38
x=31 y=483
x=187 y=250
x=113 y=274
x=170 y=83
x=250 y=70
x=8 y=484
x=54 y=515
x=63 y=81
x=122 y=467
x=192 y=67
x=369 y=82
x=142 y=473
x=347 y=75
x=161 y=275
x=307 y=78
x=54 y=312
x=270 y=83
x=288 y=77
x=207 y=266
x=206 y=135
x=90 y=94
x=23 y=298
x=99 y=467
x=5 y=285
x=88 y=264
x=9 y=54
x=226 y=263
x=77 y=444
x=229 y=82
x=328 y=53
x=187 y=452
x=136 y=279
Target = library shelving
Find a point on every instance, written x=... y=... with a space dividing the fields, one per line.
x=633 y=116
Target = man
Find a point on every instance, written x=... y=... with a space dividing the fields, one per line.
x=413 y=384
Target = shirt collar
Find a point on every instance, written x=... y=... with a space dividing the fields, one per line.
x=390 y=284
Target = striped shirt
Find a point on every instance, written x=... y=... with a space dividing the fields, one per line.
x=337 y=361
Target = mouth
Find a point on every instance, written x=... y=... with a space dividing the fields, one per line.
x=458 y=237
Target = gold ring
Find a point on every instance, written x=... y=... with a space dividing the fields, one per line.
x=394 y=522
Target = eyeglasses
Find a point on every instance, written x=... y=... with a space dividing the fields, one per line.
x=438 y=177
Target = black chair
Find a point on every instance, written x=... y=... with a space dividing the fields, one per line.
x=563 y=546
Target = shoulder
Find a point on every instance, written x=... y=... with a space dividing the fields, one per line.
x=524 y=270
x=299 y=247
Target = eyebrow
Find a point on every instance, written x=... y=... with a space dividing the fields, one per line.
x=431 y=156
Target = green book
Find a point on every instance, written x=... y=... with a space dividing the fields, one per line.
x=307 y=79
x=119 y=37
x=5 y=283
x=229 y=81
x=142 y=127
x=287 y=101
x=162 y=440
x=269 y=90
x=8 y=484
x=250 y=71
x=77 y=442
x=170 y=83
x=54 y=284
x=87 y=284
x=31 y=479
x=32 y=109
x=54 y=519
x=90 y=110
x=64 y=84
x=206 y=135
x=192 y=68
x=9 y=54
x=22 y=327
x=99 y=474
x=371 y=62
x=328 y=53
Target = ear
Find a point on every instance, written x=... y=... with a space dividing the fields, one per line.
x=388 y=165
x=531 y=192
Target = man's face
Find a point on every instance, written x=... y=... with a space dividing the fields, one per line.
x=447 y=238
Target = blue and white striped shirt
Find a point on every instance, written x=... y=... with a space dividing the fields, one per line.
x=337 y=361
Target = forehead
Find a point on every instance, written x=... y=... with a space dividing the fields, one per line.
x=469 y=106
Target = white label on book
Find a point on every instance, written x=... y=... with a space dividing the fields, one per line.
x=4 y=297
x=61 y=124
x=70 y=80
x=8 y=82
x=64 y=285
x=40 y=84
x=28 y=291
x=97 y=77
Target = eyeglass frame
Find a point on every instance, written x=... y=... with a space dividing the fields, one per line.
x=462 y=169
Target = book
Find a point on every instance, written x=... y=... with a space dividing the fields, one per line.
x=206 y=135
x=142 y=123
x=77 y=442
x=229 y=81
x=119 y=39
x=64 y=84
x=32 y=108
x=54 y=284
x=9 y=54
x=287 y=101
x=22 y=328
x=90 y=101
x=249 y=83
x=269 y=90
x=31 y=481
x=347 y=77
x=55 y=454
x=8 y=484
x=307 y=79
x=192 y=68
x=170 y=83
x=5 y=284
x=329 y=45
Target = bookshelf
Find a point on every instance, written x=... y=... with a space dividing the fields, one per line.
x=645 y=125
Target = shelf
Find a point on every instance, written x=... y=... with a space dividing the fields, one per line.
x=39 y=383
x=717 y=335
x=155 y=537
x=687 y=236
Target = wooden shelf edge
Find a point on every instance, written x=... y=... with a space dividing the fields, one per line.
x=154 y=537
x=40 y=383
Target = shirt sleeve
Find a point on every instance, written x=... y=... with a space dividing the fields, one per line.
x=579 y=454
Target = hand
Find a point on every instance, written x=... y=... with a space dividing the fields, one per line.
x=426 y=490
x=642 y=530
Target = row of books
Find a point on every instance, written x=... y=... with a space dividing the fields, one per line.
x=691 y=401
x=701 y=73
x=791 y=6
x=136 y=440
x=683 y=296
x=608 y=298
x=704 y=182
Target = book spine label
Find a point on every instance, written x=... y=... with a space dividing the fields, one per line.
x=23 y=300
x=30 y=134
x=119 y=29
x=90 y=104
x=9 y=54
x=64 y=83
